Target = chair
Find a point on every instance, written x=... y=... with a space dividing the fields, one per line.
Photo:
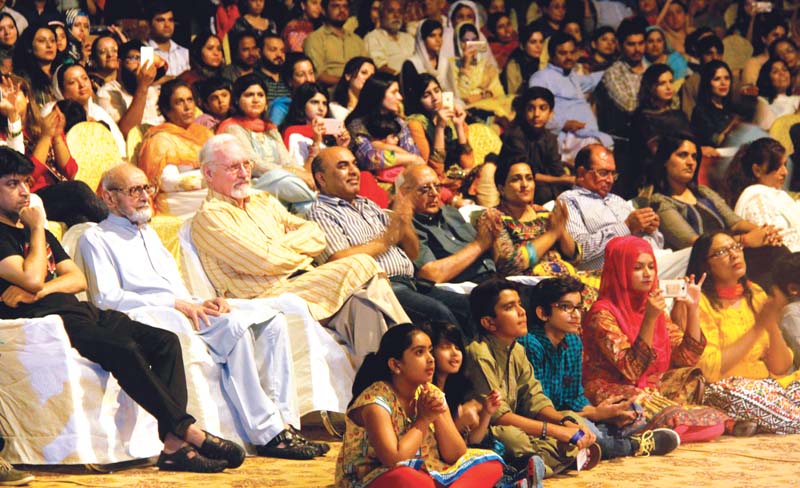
x=133 y=142
x=191 y=268
x=483 y=140
x=780 y=131
x=93 y=148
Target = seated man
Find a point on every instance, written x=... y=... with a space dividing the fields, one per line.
x=450 y=249
x=555 y=351
x=250 y=246
x=388 y=45
x=37 y=279
x=354 y=225
x=573 y=119
x=526 y=421
x=596 y=215
x=132 y=268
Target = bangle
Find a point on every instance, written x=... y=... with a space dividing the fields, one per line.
x=575 y=438
x=543 y=435
x=567 y=418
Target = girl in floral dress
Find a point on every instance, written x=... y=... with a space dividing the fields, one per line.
x=399 y=431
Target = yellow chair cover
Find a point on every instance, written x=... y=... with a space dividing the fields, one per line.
x=95 y=151
x=484 y=140
x=133 y=142
x=780 y=130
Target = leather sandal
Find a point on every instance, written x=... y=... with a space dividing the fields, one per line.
x=181 y=460
x=321 y=447
x=287 y=446
x=217 y=448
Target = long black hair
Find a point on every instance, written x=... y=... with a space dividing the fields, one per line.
x=457 y=385
x=297 y=109
x=739 y=174
x=414 y=90
x=375 y=367
x=350 y=71
x=370 y=102
x=707 y=73
x=647 y=87
x=25 y=62
x=698 y=264
x=656 y=175
x=764 y=83
x=196 y=56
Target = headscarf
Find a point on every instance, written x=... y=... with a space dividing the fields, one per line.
x=675 y=60
x=448 y=46
x=71 y=14
x=420 y=59
x=628 y=306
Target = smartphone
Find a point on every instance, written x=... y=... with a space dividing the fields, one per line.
x=673 y=288
x=448 y=100
x=147 y=55
x=333 y=127
x=480 y=46
x=762 y=7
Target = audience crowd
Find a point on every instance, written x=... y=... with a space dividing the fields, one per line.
x=530 y=235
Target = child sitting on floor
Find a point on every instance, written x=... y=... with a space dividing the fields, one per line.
x=555 y=350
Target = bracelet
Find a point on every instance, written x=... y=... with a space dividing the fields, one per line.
x=575 y=438
x=567 y=418
x=543 y=435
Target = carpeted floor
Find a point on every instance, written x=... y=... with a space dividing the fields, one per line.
x=757 y=462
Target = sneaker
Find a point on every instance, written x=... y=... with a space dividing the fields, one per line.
x=536 y=472
x=288 y=446
x=187 y=459
x=656 y=442
x=11 y=477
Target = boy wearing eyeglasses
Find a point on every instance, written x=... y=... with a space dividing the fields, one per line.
x=555 y=350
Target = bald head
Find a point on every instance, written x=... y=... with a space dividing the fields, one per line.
x=336 y=173
x=127 y=193
x=421 y=183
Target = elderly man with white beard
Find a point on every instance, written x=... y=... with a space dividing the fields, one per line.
x=128 y=268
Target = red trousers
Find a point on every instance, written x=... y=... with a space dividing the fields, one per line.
x=481 y=476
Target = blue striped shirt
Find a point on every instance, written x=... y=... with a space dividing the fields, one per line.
x=347 y=225
x=595 y=220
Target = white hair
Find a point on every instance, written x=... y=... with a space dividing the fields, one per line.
x=222 y=148
x=110 y=176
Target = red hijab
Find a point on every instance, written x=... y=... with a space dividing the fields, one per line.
x=626 y=305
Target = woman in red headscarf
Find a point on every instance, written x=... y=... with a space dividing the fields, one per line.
x=634 y=350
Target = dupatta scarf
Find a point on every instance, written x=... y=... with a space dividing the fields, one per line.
x=627 y=305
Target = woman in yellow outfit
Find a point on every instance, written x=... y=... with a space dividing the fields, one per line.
x=746 y=358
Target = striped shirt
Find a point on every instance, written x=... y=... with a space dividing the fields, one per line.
x=245 y=251
x=595 y=220
x=347 y=225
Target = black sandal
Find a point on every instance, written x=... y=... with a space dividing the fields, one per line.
x=181 y=460
x=217 y=448
x=321 y=447
x=293 y=447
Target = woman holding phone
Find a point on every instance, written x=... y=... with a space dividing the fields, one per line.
x=308 y=127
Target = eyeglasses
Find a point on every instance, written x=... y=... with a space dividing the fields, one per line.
x=569 y=308
x=604 y=173
x=136 y=191
x=234 y=168
x=430 y=188
x=727 y=251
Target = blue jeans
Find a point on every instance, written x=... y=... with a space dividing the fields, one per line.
x=612 y=446
x=434 y=304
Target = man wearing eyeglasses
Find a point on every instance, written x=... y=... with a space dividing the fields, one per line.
x=450 y=249
x=251 y=246
x=354 y=225
x=596 y=215
x=37 y=278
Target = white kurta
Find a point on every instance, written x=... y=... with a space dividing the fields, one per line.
x=263 y=346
